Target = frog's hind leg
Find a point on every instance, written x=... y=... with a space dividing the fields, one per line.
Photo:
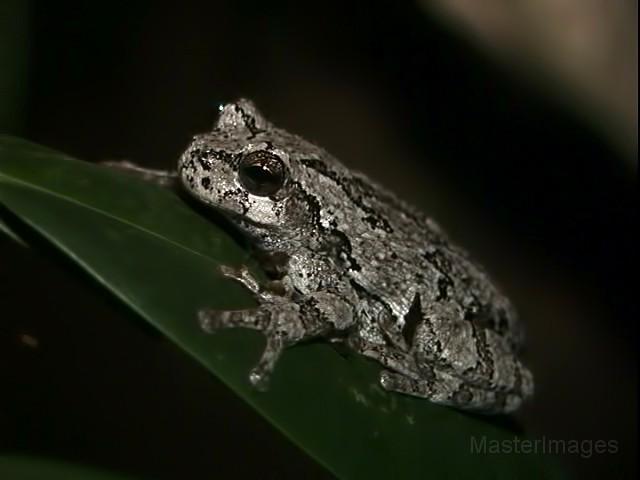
x=478 y=356
x=444 y=389
x=389 y=357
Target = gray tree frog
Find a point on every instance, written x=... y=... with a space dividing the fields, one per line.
x=351 y=263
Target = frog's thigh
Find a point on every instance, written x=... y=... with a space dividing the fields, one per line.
x=476 y=355
x=445 y=389
x=498 y=368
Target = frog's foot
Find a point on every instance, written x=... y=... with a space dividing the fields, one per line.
x=389 y=357
x=280 y=323
x=163 y=178
x=393 y=334
x=445 y=389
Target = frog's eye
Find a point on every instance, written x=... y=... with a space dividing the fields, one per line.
x=261 y=173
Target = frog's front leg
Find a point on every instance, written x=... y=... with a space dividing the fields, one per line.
x=283 y=320
x=279 y=322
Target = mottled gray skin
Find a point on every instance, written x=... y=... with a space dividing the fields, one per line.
x=351 y=263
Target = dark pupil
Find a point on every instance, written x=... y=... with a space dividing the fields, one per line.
x=261 y=173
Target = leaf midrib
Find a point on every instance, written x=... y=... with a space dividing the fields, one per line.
x=9 y=179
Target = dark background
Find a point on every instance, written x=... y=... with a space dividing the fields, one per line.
x=512 y=173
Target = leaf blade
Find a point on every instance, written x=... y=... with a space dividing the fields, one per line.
x=119 y=229
x=20 y=467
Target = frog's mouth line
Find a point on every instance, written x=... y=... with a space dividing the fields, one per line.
x=236 y=221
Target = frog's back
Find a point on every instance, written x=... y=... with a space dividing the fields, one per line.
x=406 y=253
x=391 y=250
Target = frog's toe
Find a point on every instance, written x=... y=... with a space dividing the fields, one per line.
x=259 y=379
x=210 y=320
x=241 y=275
x=253 y=318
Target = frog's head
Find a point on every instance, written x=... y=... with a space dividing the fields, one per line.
x=249 y=170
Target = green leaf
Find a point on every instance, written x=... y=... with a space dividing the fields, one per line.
x=160 y=257
x=6 y=230
x=18 y=467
